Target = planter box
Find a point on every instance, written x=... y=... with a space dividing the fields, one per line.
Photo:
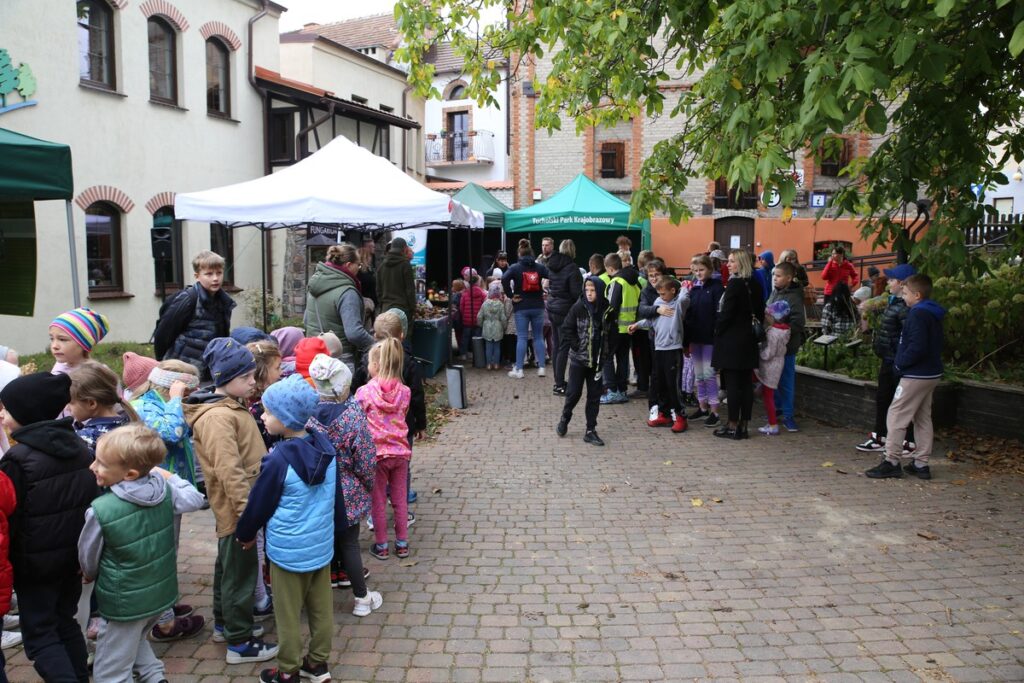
x=991 y=409
x=846 y=402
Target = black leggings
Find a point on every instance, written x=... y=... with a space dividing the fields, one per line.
x=739 y=389
x=665 y=380
x=580 y=377
x=348 y=559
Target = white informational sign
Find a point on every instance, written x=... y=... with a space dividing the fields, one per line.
x=818 y=200
x=416 y=238
x=734 y=241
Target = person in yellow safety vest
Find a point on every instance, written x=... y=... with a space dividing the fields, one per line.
x=623 y=296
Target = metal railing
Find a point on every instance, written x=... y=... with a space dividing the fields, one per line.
x=460 y=147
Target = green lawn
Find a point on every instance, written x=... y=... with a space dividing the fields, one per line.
x=107 y=353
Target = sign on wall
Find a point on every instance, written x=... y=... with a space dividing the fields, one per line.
x=15 y=79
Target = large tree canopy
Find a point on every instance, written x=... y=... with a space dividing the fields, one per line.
x=941 y=80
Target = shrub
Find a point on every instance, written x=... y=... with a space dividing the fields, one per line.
x=984 y=316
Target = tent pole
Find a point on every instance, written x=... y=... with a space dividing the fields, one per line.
x=76 y=294
x=451 y=295
x=263 y=271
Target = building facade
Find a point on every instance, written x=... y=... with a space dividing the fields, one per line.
x=154 y=98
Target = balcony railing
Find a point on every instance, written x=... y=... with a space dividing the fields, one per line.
x=461 y=147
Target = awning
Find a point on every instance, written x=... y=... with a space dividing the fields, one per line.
x=579 y=206
x=479 y=199
x=33 y=169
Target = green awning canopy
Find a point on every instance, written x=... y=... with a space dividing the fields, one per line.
x=479 y=199
x=32 y=169
x=579 y=206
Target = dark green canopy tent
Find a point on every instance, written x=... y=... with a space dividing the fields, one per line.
x=33 y=169
x=580 y=206
x=476 y=197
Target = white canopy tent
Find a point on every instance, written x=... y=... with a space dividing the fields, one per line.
x=341 y=184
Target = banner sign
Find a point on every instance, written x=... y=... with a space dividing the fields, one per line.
x=416 y=238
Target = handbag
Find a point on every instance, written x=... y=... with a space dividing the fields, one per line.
x=756 y=324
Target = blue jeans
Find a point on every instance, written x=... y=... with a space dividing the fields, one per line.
x=527 y=321
x=787 y=387
x=492 y=351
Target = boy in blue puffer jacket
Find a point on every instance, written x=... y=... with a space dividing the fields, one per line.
x=294 y=498
x=918 y=363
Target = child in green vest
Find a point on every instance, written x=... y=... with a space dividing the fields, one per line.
x=127 y=547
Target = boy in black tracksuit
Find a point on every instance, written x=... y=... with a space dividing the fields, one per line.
x=583 y=332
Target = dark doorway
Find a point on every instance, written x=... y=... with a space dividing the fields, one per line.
x=458 y=136
x=735 y=233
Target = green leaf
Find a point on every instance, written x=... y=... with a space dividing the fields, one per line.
x=943 y=7
x=904 y=49
x=876 y=118
x=1017 y=40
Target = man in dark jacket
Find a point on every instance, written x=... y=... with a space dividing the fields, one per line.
x=396 y=287
x=565 y=285
x=918 y=364
x=582 y=332
x=785 y=288
x=49 y=469
x=885 y=342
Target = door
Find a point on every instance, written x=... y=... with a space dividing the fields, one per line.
x=458 y=136
x=735 y=233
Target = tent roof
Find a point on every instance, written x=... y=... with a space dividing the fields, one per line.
x=340 y=184
x=33 y=169
x=476 y=197
x=580 y=205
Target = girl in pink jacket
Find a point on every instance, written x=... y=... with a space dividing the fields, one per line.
x=773 y=356
x=385 y=400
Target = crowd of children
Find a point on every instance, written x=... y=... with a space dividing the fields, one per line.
x=95 y=467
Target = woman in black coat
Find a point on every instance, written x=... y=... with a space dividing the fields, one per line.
x=565 y=286
x=735 y=352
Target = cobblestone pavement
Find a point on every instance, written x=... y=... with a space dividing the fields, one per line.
x=544 y=559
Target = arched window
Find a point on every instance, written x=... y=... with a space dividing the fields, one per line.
x=169 y=271
x=96 y=43
x=457 y=93
x=163 y=61
x=218 y=78
x=103 y=247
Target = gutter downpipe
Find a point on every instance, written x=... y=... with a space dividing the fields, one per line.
x=405 y=133
x=266 y=246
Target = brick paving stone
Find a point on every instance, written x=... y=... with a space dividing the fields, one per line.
x=545 y=559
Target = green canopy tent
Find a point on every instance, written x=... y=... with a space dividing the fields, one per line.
x=33 y=170
x=476 y=197
x=478 y=242
x=580 y=206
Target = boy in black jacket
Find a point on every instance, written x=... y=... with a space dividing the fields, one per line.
x=49 y=468
x=582 y=330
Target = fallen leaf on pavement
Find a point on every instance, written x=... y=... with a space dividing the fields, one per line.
x=583 y=605
x=716 y=500
x=958 y=482
x=839 y=471
x=436 y=491
x=928 y=535
x=667 y=462
x=827 y=463
x=409 y=563
x=696 y=502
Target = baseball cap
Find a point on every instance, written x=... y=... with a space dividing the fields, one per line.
x=900 y=272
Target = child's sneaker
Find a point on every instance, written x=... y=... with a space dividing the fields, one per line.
x=364 y=606
x=874 y=444
x=401 y=549
x=769 y=430
x=790 y=424
x=218 y=632
x=909 y=447
x=515 y=373
x=10 y=639
x=713 y=420
x=182 y=627
x=884 y=470
x=341 y=580
x=277 y=676
x=379 y=551
x=678 y=423
x=540 y=371
x=660 y=421
x=317 y=673
x=263 y=613
x=608 y=398
x=254 y=651
x=919 y=472
x=653 y=414
x=11 y=622
x=699 y=414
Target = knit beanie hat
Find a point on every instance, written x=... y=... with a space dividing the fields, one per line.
x=332 y=378
x=287 y=338
x=778 y=310
x=494 y=290
x=37 y=397
x=334 y=347
x=227 y=359
x=86 y=326
x=136 y=369
x=244 y=335
x=403 y=317
x=305 y=351
x=292 y=401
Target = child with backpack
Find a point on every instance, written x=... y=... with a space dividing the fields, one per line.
x=196 y=315
x=773 y=354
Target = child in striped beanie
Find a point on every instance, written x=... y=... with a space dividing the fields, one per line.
x=73 y=335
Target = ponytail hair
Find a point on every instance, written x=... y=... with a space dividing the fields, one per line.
x=388 y=356
x=94 y=381
x=525 y=248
